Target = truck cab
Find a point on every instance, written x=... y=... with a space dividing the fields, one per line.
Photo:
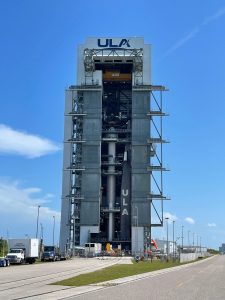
x=16 y=256
x=50 y=254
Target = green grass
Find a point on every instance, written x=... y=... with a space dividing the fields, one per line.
x=116 y=271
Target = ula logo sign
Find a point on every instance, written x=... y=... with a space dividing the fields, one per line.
x=108 y=43
x=125 y=204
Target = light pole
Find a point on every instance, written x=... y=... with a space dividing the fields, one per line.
x=189 y=237
x=42 y=229
x=173 y=238
x=176 y=246
x=167 y=239
x=41 y=241
x=193 y=239
x=182 y=237
x=37 y=221
x=197 y=243
x=53 y=230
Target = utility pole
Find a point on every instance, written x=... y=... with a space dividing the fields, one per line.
x=182 y=237
x=167 y=239
x=37 y=221
x=42 y=234
x=188 y=238
x=173 y=238
x=53 y=231
x=197 y=243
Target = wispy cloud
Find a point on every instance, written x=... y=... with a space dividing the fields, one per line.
x=183 y=41
x=189 y=220
x=170 y=216
x=214 y=17
x=211 y=225
x=25 y=144
x=220 y=13
x=18 y=210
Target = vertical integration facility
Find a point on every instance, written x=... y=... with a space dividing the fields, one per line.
x=112 y=189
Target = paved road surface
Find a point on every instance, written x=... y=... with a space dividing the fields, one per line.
x=204 y=280
x=31 y=281
x=200 y=281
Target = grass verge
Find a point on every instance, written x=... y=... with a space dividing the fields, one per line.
x=116 y=271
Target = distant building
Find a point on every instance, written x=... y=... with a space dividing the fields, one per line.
x=222 y=249
x=162 y=246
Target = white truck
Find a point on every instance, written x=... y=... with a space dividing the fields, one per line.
x=23 y=250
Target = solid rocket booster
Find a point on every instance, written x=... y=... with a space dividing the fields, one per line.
x=125 y=218
x=111 y=184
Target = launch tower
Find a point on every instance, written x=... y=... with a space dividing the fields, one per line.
x=112 y=188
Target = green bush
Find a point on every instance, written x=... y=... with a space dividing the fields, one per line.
x=3 y=247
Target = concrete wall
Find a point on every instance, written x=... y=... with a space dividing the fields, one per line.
x=185 y=257
x=137 y=239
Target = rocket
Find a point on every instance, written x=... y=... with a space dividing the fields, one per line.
x=125 y=217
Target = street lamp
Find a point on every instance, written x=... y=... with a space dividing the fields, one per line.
x=176 y=245
x=197 y=243
x=53 y=231
x=42 y=229
x=167 y=239
x=173 y=238
x=37 y=221
x=188 y=237
x=182 y=237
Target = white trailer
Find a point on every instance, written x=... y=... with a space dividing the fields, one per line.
x=93 y=249
x=23 y=250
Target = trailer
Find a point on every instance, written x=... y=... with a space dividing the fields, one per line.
x=93 y=249
x=23 y=250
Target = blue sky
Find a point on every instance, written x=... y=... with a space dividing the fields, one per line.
x=37 y=63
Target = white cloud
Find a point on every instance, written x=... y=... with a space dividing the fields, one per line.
x=161 y=233
x=196 y=30
x=211 y=225
x=189 y=220
x=18 y=211
x=22 y=143
x=170 y=216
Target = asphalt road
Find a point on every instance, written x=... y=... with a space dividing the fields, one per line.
x=204 y=280
x=32 y=281
x=200 y=281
